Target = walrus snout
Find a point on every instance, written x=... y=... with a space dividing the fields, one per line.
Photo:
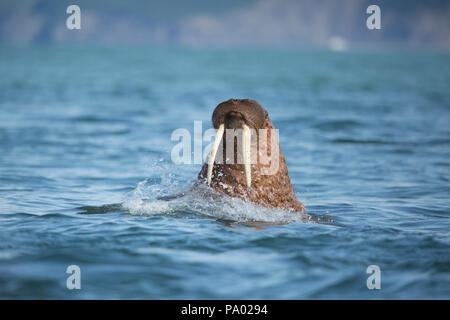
x=235 y=112
x=243 y=114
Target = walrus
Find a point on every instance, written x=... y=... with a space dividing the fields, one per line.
x=253 y=179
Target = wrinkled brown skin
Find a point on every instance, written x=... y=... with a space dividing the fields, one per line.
x=271 y=191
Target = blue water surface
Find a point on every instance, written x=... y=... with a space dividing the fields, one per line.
x=85 y=150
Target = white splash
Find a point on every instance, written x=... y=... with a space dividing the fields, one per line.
x=202 y=200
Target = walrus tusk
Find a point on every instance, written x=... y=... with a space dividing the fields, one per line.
x=246 y=144
x=215 y=147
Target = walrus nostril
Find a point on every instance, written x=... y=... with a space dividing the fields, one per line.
x=248 y=110
x=234 y=120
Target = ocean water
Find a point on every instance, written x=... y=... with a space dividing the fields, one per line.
x=85 y=154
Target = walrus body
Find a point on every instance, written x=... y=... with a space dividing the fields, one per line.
x=246 y=180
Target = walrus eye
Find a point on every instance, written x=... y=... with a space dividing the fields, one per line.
x=246 y=145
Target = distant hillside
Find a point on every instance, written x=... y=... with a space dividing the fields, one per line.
x=308 y=23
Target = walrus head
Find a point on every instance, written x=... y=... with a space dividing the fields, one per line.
x=252 y=167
